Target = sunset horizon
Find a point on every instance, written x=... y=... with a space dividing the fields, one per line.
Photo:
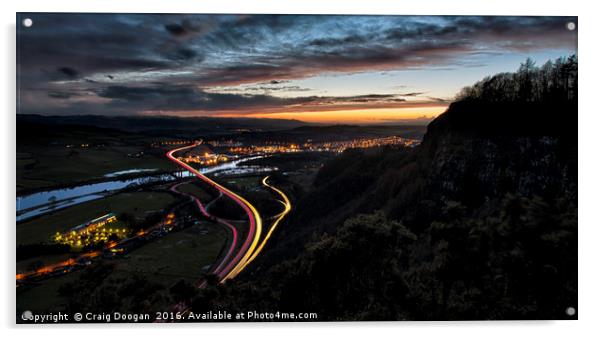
x=365 y=70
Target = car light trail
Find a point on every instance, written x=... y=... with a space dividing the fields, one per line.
x=287 y=208
x=255 y=225
x=217 y=270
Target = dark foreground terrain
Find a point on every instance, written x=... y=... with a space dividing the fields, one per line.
x=478 y=222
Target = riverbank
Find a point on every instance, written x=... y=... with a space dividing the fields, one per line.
x=44 y=202
x=30 y=191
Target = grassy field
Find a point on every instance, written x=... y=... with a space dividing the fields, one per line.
x=26 y=265
x=136 y=203
x=193 y=248
x=197 y=191
x=45 y=298
x=48 y=166
x=244 y=183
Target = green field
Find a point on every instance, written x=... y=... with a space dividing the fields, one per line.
x=245 y=183
x=33 y=263
x=45 y=298
x=197 y=191
x=48 y=166
x=193 y=248
x=136 y=203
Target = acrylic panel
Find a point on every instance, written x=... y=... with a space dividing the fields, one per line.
x=180 y=168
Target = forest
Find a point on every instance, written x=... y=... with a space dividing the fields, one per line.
x=553 y=81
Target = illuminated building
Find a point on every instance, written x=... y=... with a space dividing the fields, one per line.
x=99 y=230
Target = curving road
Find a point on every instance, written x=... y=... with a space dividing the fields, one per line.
x=287 y=208
x=240 y=261
x=219 y=270
x=229 y=266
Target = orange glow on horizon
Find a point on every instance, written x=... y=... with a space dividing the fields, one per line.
x=364 y=116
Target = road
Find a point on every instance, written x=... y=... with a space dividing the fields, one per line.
x=240 y=261
x=229 y=266
x=287 y=208
x=219 y=270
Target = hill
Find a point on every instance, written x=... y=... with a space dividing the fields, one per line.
x=478 y=222
x=164 y=125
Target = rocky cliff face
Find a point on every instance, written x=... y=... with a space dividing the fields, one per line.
x=479 y=151
x=490 y=167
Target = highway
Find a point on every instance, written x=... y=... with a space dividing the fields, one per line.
x=219 y=269
x=229 y=266
x=287 y=208
x=240 y=261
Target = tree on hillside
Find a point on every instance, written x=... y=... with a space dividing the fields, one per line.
x=554 y=81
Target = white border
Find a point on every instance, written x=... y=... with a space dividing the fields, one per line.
x=590 y=124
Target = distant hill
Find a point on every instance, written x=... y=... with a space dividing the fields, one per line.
x=319 y=133
x=409 y=131
x=246 y=129
x=164 y=124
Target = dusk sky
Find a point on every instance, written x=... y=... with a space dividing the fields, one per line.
x=332 y=69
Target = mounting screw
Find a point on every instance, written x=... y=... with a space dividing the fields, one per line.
x=571 y=26
x=27 y=22
x=570 y=311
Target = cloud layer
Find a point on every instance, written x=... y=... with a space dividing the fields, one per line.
x=241 y=64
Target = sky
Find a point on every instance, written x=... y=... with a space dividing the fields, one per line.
x=313 y=68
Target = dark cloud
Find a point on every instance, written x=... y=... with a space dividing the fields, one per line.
x=439 y=99
x=76 y=46
x=331 y=42
x=120 y=58
x=366 y=100
x=184 y=97
x=423 y=31
x=272 y=86
x=523 y=33
x=189 y=26
x=61 y=94
x=412 y=94
x=274 y=82
x=175 y=29
x=184 y=54
x=70 y=73
x=247 y=73
x=282 y=88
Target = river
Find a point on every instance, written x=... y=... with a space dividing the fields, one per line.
x=47 y=201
